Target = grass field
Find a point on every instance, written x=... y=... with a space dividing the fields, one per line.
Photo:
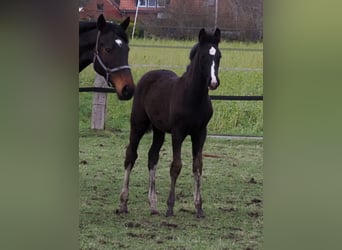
x=231 y=191
x=240 y=74
x=232 y=172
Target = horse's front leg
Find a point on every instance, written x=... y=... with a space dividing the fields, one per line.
x=175 y=170
x=153 y=157
x=131 y=156
x=197 y=147
x=125 y=190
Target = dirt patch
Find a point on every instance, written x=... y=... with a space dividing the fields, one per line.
x=130 y=234
x=255 y=201
x=254 y=214
x=83 y=162
x=187 y=211
x=230 y=236
x=132 y=225
x=252 y=181
x=141 y=235
x=227 y=209
x=212 y=156
x=103 y=242
x=166 y=224
x=235 y=229
x=234 y=162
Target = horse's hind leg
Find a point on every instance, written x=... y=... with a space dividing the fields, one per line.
x=197 y=147
x=153 y=157
x=136 y=134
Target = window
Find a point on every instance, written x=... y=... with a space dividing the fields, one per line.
x=211 y=3
x=161 y=3
x=151 y=3
x=141 y=3
x=100 y=7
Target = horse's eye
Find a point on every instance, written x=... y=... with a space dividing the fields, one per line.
x=108 y=50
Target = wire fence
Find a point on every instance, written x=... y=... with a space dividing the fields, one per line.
x=213 y=97
x=187 y=47
x=243 y=98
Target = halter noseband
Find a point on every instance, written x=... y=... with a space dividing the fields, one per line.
x=108 y=70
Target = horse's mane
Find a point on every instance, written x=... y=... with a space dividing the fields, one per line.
x=193 y=51
x=192 y=55
x=86 y=26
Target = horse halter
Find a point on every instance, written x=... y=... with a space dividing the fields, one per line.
x=108 y=70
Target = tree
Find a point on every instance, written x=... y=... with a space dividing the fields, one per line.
x=237 y=19
x=181 y=19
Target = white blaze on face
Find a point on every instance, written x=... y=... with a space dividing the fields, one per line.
x=212 y=70
x=118 y=42
x=212 y=51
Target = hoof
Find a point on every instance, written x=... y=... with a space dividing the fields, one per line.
x=154 y=212
x=169 y=213
x=121 y=211
x=200 y=214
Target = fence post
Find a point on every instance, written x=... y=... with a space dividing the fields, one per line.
x=98 y=115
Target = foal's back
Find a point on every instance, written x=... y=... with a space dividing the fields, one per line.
x=152 y=99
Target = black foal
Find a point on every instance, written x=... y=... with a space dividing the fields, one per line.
x=177 y=105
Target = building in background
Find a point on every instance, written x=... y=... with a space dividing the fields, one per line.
x=119 y=9
x=180 y=19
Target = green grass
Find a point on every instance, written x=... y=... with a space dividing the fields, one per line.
x=230 y=117
x=232 y=179
x=231 y=191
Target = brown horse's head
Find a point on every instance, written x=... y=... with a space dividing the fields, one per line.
x=209 y=56
x=111 y=57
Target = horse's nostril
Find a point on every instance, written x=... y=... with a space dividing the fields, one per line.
x=127 y=92
x=213 y=84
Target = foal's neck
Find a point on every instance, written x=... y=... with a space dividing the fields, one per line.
x=197 y=84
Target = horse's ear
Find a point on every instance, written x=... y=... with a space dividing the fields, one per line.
x=201 y=34
x=101 y=22
x=125 y=23
x=218 y=34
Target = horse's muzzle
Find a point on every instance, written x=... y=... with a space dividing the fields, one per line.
x=213 y=84
x=123 y=83
x=127 y=92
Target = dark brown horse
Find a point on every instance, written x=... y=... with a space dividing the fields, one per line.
x=177 y=105
x=106 y=46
